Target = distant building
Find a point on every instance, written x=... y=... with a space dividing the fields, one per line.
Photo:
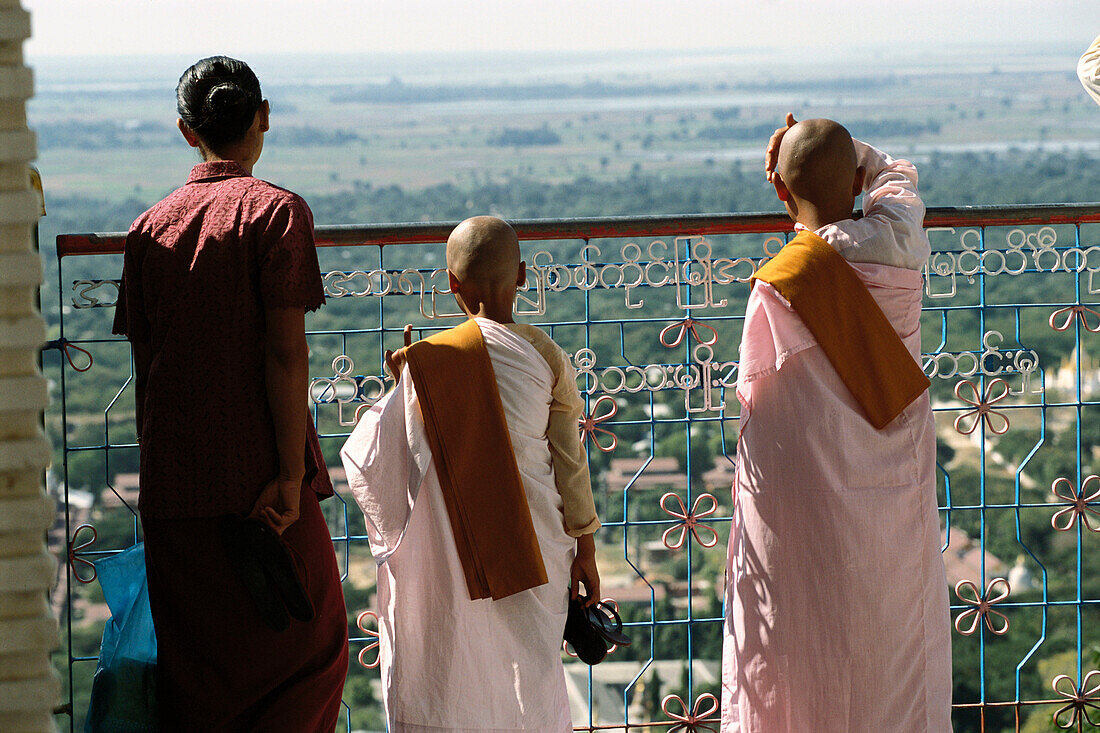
x=1019 y=577
x=632 y=590
x=962 y=559
x=720 y=478
x=1064 y=378
x=660 y=473
x=124 y=489
x=611 y=678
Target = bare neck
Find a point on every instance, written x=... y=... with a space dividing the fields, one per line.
x=813 y=216
x=245 y=152
x=244 y=161
x=499 y=314
x=496 y=306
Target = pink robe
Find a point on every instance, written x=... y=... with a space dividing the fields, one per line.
x=449 y=663
x=836 y=598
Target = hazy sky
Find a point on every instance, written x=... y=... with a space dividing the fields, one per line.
x=197 y=27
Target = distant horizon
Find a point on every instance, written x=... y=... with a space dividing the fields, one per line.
x=1030 y=47
x=144 y=71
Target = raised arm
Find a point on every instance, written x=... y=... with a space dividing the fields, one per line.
x=889 y=187
x=892 y=226
x=1088 y=70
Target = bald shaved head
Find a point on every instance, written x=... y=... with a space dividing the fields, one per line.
x=817 y=161
x=484 y=250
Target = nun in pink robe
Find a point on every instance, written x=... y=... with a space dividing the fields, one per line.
x=449 y=663
x=837 y=614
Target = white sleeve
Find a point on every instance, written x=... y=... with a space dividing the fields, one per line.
x=1088 y=70
x=891 y=230
x=385 y=459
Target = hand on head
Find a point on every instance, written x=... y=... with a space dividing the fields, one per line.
x=771 y=152
x=814 y=169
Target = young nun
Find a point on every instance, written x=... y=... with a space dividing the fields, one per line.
x=479 y=508
x=836 y=599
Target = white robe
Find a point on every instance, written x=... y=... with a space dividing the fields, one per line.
x=449 y=663
x=1088 y=70
x=836 y=599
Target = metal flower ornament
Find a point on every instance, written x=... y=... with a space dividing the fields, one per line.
x=373 y=639
x=590 y=424
x=1090 y=319
x=982 y=609
x=1079 y=501
x=1084 y=701
x=983 y=411
x=66 y=347
x=673 y=334
x=694 y=720
x=690 y=521
x=75 y=559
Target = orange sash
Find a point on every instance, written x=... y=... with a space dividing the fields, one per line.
x=852 y=330
x=469 y=440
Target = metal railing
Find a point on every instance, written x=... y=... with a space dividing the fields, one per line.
x=651 y=309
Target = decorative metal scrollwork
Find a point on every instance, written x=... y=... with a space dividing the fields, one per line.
x=76 y=560
x=983 y=412
x=374 y=639
x=982 y=609
x=697 y=718
x=1090 y=319
x=590 y=424
x=689 y=521
x=1084 y=700
x=1079 y=501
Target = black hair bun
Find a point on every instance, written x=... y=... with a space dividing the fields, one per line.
x=225 y=103
x=218 y=98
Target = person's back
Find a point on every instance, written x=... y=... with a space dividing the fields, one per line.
x=216 y=281
x=836 y=598
x=228 y=244
x=427 y=464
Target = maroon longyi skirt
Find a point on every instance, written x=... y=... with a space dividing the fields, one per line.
x=219 y=668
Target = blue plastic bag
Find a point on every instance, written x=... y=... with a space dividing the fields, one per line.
x=124 y=688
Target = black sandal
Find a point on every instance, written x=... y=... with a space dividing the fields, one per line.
x=605 y=619
x=585 y=637
x=278 y=565
x=245 y=561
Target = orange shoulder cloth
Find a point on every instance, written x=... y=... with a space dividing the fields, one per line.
x=469 y=440
x=852 y=330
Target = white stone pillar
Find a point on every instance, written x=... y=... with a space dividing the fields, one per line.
x=29 y=687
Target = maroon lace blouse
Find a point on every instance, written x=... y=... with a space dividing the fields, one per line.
x=200 y=268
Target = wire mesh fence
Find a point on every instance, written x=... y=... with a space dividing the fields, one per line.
x=651 y=310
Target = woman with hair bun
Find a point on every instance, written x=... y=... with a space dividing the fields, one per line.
x=243 y=582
